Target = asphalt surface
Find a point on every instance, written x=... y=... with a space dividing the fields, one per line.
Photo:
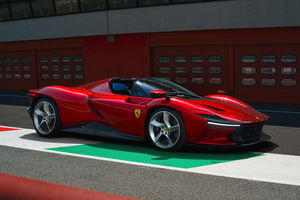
x=136 y=181
x=145 y=182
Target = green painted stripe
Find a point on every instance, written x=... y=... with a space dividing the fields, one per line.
x=152 y=156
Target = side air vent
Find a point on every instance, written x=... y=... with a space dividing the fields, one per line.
x=95 y=110
x=214 y=108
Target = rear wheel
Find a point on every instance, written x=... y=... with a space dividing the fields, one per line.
x=46 y=119
x=166 y=129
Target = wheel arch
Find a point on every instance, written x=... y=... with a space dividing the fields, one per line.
x=151 y=110
x=38 y=97
x=69 y=102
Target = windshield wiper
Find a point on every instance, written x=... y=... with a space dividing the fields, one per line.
x=182 y=93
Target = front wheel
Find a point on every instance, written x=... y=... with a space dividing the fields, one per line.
x=46 y=119
x=165 y=129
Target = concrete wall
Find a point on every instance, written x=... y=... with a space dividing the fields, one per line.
x=85 y=24
x=232 y=14
x=208 y=15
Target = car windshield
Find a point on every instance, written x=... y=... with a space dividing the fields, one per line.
x=143 y=87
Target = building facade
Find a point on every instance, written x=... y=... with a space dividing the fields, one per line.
x=250 y=49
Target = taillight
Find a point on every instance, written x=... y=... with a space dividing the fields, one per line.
x=31 y=97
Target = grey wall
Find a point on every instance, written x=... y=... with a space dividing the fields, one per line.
x=54 y=27
x=209 y=15
x=195 y=16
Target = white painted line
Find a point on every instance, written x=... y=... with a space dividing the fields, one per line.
x=274 y=168
x=28 y=139
x=280 y=111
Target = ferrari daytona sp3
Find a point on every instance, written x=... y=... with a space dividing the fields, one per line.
x=156 y=109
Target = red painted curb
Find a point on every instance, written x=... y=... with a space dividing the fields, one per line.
x=21 y=188
x=8 y=129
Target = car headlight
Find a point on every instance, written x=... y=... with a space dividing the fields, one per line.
x=219 y=121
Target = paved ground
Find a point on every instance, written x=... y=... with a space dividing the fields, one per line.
x=136 y=181
x=143 y=181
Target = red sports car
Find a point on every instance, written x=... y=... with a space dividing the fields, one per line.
x=165 y=113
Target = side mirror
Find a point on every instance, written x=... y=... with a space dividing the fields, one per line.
x=157 y=94
x=221 y=92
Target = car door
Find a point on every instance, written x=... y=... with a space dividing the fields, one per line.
x=124 y=113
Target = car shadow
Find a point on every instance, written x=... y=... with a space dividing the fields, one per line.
x=189 y=152
x=61 y=138
x=263 y=147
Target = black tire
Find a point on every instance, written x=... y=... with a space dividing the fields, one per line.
x=166 y=137
x=54 y=123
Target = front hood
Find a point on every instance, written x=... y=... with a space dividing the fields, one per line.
x=229 y=111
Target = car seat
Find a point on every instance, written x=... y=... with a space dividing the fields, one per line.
x=120 y=88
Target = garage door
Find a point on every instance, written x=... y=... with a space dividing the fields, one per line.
x=202 y=69
x=268 y=73
x=17 y=70
x=60 y=67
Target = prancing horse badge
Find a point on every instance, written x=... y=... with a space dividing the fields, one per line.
x=137 y=113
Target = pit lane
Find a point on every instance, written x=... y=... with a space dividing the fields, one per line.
x=143 y=181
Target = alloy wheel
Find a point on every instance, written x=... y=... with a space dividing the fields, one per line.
x=164 y=130
x=44 y=117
